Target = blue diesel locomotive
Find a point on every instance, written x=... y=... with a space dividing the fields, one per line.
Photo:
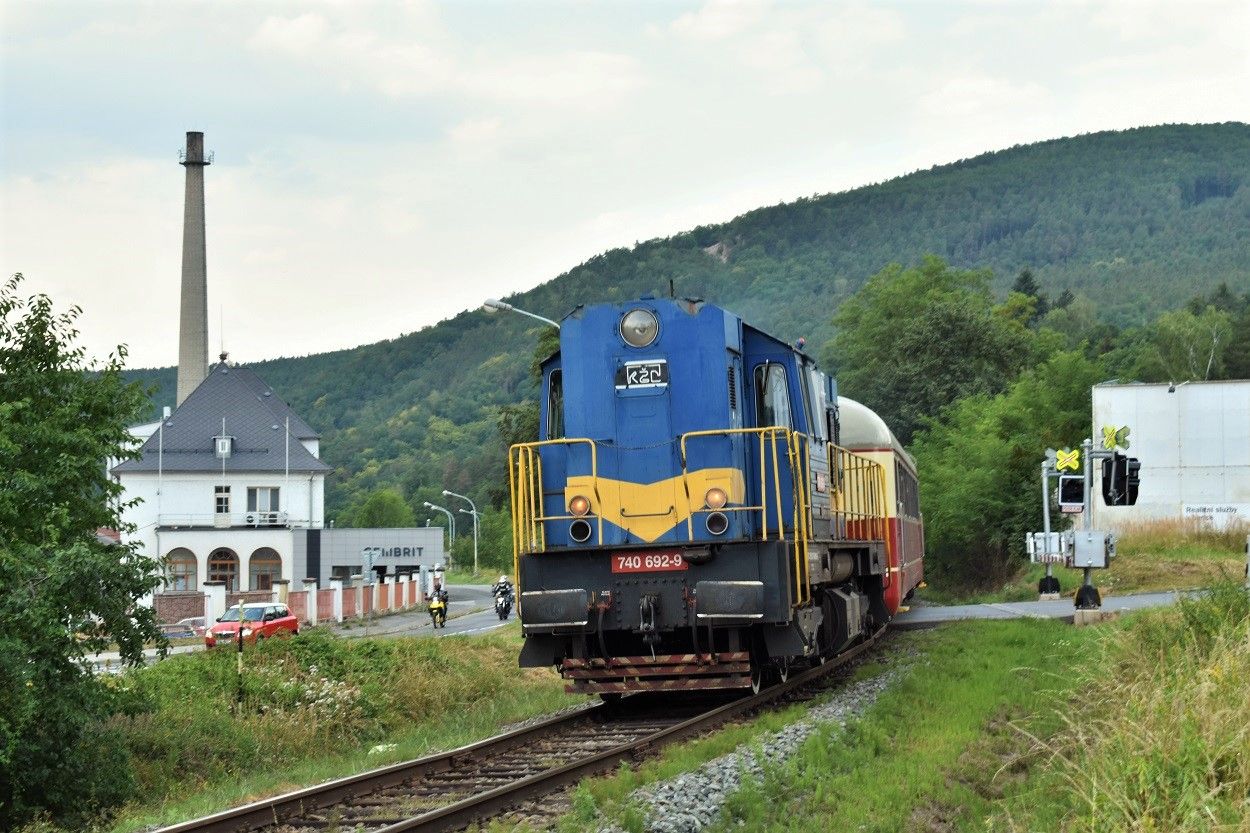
x=701 y=510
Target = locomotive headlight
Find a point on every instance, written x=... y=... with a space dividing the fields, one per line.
x=717 y=523
x=579 y=506
x=715 y=498
x=639 y=327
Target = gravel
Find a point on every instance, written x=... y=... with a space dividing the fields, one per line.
x=693 y=800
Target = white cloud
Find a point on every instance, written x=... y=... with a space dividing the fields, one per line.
x=381 y=167
x=719 y=19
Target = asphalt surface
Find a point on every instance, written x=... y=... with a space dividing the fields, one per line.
x=472 y=611
x=928 y=616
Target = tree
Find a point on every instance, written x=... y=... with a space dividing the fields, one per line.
x=66 y=593
x=1027 y=286
x=1191 y=347
x=979 y=468
x=912 y=341
x=384 y=508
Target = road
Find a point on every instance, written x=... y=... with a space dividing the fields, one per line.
x=927 y=616
x=471 y=609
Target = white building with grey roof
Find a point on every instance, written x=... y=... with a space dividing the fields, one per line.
x=231 y=488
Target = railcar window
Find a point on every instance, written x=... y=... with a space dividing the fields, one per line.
x=908 y=492
x=555 y=405
x=772 y=395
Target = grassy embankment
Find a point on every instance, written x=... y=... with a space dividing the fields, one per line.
x=1155 y=555
x=1141 y=724
x=312 y=710
x=924 y=737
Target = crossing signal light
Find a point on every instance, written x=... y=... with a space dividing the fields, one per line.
x=1121 y=476
x=1072 y=492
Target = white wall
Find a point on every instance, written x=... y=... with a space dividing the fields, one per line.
x=244 y=542
x=187 y=501
x=1193 y=444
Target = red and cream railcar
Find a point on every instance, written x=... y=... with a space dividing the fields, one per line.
x=867 y=435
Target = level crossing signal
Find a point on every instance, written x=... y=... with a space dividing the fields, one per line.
x=1121 y=476
x=1071 y=492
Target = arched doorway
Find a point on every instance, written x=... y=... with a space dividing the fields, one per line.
x=223 y=565
x=264 y=568
x=181 y=570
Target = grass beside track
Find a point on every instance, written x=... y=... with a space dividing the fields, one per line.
x=313 y=708
x=939 y=749
x=1140 y=724
x=1152 y=555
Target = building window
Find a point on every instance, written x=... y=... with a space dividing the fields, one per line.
x=264 y=568
x=262 y=499
x=223 y=565
x=223 y=446
x=180 y=570
x=222 y=500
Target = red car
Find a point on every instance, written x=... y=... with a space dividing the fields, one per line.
x=260 y=621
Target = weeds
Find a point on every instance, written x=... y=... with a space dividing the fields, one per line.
x=1163 y=743
x=311 y=708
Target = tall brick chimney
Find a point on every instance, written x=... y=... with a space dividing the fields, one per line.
x=193 y=322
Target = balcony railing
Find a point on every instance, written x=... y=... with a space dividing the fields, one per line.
x=233 y=520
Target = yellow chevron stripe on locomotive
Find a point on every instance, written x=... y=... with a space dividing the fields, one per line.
x=648 y=511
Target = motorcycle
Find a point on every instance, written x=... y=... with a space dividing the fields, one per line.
x=503 y=604
x=438 y=612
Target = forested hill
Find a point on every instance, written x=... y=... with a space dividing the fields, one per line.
x=1139 y=221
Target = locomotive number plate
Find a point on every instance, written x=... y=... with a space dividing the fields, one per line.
x=648 y=374
x=648 y=562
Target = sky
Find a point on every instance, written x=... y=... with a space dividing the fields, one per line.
x=380 y=167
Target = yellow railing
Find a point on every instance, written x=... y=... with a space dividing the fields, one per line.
x=525 y=479
x=857 y=499
x=770 y=439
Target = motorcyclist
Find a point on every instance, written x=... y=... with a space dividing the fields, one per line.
x=502 y=586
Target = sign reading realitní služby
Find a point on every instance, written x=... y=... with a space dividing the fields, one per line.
x=1219 y=515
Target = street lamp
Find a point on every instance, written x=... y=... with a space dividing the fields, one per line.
x=473 y=507
x=494 y=304
x=451 y=524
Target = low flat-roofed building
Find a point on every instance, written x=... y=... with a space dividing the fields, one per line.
x=1193 y=441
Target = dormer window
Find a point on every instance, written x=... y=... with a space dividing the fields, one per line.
x=223 y=446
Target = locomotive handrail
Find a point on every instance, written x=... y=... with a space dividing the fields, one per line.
x=525 y=464
x=762 y=433
x=800 y=520
x=859 y=509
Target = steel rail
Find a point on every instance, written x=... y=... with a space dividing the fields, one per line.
x=481 y=807
x=288 y=807
x=279 y=808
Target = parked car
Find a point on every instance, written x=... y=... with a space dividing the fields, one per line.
x=261 y=620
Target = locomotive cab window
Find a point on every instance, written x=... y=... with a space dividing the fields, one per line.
x=555 y=405
x=772 y=395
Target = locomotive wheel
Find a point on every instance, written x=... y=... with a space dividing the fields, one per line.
x=783 y=670
x=757 y=678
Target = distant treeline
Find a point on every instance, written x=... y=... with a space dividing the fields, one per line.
x=1114 y=228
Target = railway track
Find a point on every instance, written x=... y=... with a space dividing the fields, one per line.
x=450 y=790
